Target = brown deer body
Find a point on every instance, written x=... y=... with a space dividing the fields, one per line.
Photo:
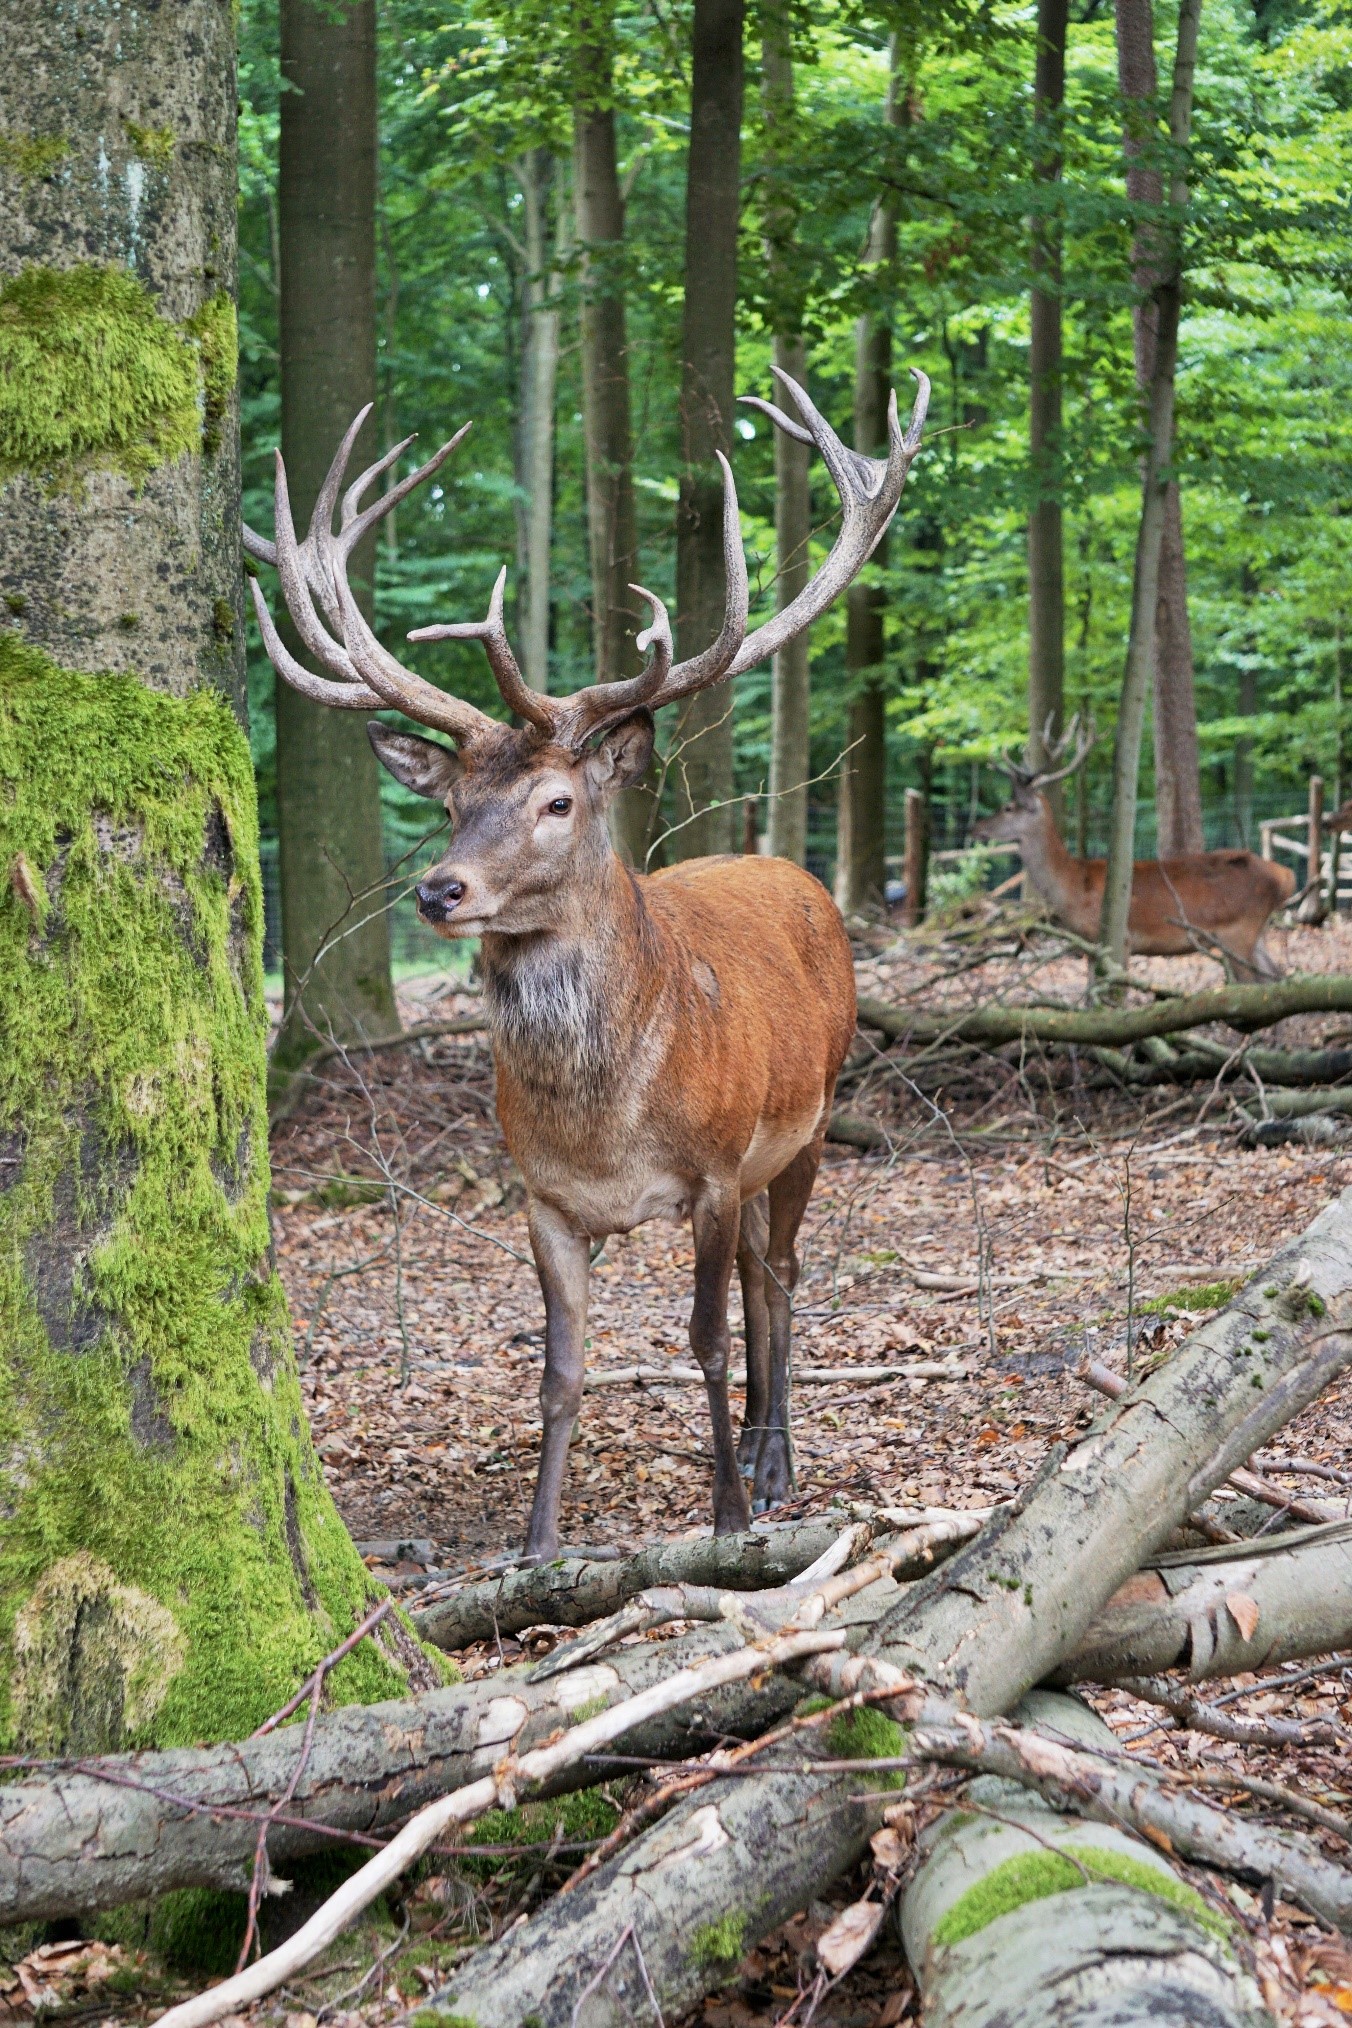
x=1215 y=902
x=665 y=1045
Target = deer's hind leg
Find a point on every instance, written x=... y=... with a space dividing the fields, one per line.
x=789 y=1194
x=752 y=1239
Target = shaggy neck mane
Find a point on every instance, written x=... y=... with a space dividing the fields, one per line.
x=558 y=1000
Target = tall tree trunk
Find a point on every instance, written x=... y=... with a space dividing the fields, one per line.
x=545 y=244
x=171 y=1563
x=1150 y=536
x=328 y=794
x=612 y=523
x=861 y=830
x=1178 y=793
x=790 y=681
x=703 y=774
x=1046 y=579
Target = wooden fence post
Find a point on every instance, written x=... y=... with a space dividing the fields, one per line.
x=917 y=858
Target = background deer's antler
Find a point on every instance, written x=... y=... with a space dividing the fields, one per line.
x=369 y=677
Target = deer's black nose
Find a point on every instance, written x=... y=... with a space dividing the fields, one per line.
x=436 y=903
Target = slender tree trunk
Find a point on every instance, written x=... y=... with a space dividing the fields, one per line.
x=170 y=1562
x=1046 y=580
x=861 y=825
x=790 y=682
x=612 y=520
x=539 y=376
x=1150 y=536
x=328 y=794
x=703 y=773
x=1178 y=794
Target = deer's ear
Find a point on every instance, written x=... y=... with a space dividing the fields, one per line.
x=420 y=764
x=621 y=756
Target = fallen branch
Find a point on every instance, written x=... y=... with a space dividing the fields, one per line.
x=1195 y=1715
x=289 y=1086
x=1071 y=1778
x=1244 y=1007
x=498 y=1790
x=1102 y=1378
x=803 y=1376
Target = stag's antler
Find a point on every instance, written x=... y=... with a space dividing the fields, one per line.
x=1081 y=737
x=370 y=677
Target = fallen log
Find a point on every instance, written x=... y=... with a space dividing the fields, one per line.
x=1299 y=1105
x=1242 y=1007
x=571 y=1594
x=102 y=1832
x=689 y=1897
x=1020 y=1914
x=673 y=1375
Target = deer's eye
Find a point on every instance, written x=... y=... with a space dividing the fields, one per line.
x=560 y=806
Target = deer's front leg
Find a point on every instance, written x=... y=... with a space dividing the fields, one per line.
x=716 y=1221
x=563 y=1263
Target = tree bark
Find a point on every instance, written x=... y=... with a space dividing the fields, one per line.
x=1240 y=1006
x=171 y=1558
x=1178 y=793
x=1046 y=586
x=1150 y=535
x=703 y=774
x=790 y=679
x=861 y=825
x=541 y=290
x=612 y=519
x=1021 y=1913
x=335 y=932
x=984 y=1629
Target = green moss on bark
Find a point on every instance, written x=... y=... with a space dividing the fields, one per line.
x=33 y=155
x=93 y=377
x=171 y=1563
x=1032 y=1876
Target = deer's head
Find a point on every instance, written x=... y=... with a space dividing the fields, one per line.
x=1027 y=814
x=528 y=802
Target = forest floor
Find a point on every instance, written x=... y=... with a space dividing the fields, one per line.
x=1068 y=1219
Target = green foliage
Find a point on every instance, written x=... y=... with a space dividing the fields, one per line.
x=1032 y=1876
x=721 y=1942
x=92 y=376
x=156 y=1473
x=960 y=879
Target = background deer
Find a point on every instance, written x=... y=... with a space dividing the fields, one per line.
x=665 y=1045
x=1216 y=902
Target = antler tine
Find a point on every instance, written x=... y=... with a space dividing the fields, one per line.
x=294 y=568
x=1084 y=737
x=605 y=704
x=355 y=525
x=353 y=696
x=721 y=657
x=517 y=695
x=402 y=688
x=869 y=490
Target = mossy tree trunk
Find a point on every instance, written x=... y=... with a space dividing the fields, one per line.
x=171 y=1563
x=335 y=932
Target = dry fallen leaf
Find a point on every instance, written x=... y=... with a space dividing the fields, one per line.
x=850 y=1936
x=889 y=1848
x=1243 y=1611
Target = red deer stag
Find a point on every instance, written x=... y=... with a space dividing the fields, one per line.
x=1218 y=902
x=665 y=1045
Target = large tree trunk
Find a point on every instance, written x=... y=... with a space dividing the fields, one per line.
x=171 y=1561
x=703 y=776
x=731 y=1860
x=790 y=678
x=328 y=793
x=541 y=287
x=861 y=824
x=1178 y=793
x=1046 y=583
x=1150 y=536
x=612 y=521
